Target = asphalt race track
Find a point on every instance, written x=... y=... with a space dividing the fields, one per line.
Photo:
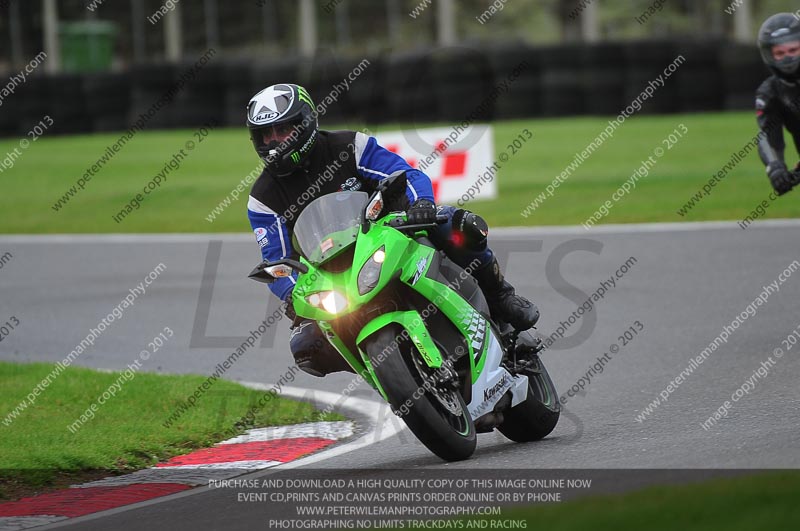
x=686 y=283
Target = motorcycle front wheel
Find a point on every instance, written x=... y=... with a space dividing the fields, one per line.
x=437 y=417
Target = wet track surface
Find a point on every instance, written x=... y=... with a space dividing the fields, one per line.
x=683 y=287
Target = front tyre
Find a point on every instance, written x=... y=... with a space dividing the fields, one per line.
x=538 y=414
x=437 y=417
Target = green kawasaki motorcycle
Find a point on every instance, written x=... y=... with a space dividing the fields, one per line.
x=413 y=324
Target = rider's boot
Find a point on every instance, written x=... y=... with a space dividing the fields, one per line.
x=504 y=303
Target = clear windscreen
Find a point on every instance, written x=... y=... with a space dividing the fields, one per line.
x=329 y=224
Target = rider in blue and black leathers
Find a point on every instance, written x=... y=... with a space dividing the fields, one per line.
x=303 y=163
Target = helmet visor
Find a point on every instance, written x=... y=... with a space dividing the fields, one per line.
x=786 y=49
x=784 y=56
x=276 y=136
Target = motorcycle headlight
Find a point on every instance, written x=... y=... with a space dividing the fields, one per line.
x=330 y=301
x=371 y=272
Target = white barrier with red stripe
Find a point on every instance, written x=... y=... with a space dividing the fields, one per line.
x=454 y=158
x=254 y=450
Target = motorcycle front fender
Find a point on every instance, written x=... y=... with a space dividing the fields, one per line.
x=413 y=329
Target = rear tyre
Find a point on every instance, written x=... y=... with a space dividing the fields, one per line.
x=538 y=414
x=438 y=418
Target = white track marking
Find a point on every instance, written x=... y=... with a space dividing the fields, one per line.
x=323 y=430
x=496 y=232
x=377 y=432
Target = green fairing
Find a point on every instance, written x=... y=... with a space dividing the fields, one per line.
x=416 y=331
x=458 y=310
x=374 y=326
x=399 y=250
x=412 y=322
x=402 y=254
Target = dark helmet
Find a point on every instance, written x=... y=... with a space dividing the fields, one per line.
x=283 y=127
x=780 y=29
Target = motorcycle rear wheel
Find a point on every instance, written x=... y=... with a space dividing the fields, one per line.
x=538 y=414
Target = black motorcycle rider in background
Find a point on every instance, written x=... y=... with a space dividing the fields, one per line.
x=302 y=162
x=778 y=98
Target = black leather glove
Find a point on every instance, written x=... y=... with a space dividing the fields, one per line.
x=422 y=211
x=780 y=177
x=289 y=309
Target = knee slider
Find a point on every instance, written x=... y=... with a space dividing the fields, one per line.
x=304 y=344
x=473 y=227
x=304 y=336
x=312 y=352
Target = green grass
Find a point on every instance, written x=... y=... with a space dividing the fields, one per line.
x=741 y=504
x=764 y=501
x=127 y=432
x=51 y=165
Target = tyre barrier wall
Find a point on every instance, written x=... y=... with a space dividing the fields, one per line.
x=433 y=85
